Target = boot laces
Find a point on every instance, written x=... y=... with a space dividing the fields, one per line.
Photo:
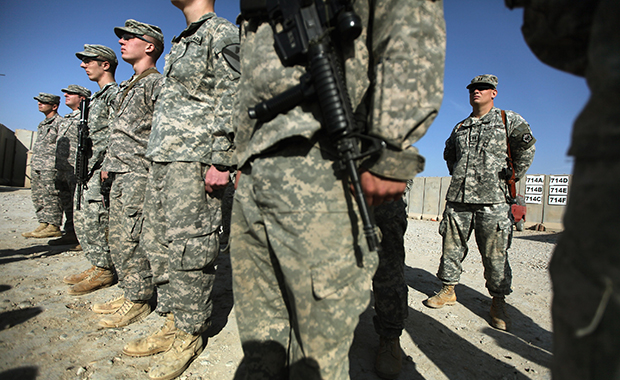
x=127 y=305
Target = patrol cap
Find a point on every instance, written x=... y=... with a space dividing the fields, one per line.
x=140 y=29
x=487 y=79
x=75 y=89
x=47 y=98
x=97 y=51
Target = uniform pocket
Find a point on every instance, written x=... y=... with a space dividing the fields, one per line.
x=194 y=253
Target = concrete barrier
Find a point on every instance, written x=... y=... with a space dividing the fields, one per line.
x=14 y=162
x=426 y=199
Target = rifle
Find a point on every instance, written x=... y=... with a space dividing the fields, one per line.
x=84 y=151
x=302 y=32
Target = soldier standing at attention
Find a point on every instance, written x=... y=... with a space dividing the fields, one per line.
x=125 y=163
x=302 y=267
x=66 y=148
x=478 y=198
x=91 y=221
x=191 y=146
x=45 y=197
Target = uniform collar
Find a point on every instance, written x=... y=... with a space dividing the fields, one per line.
x=194 y=26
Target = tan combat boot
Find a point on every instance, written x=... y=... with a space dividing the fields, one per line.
x=110 y=306
x=67 y=239
x=499 y=317
x=155 y=343
x=48 y=232
x=127 y=314
x=446 y=296
x=185 y=348
x=98 y=279
x=75 y=278
x=389 y=360
x=41 y=227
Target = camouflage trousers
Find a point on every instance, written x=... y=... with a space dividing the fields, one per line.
x=91 y=224
x=45 y=197
x=493 y=230
x=301 y=266
x=131 y=262
x=388 y=284
x=180 y=236
x=65 y=184
x=585 y=271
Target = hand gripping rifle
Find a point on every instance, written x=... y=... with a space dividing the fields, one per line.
x=84 y=151
x=305 y=32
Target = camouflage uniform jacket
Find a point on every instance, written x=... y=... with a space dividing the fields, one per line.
x=192 y=120
x=66 y=142
x=477 y=156
x=131 y=127
x=398 y=66
x=100 y=115
x=44 y=149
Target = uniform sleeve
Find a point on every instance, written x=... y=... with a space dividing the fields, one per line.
x=408 y=42
x=226 y=70
x=522 y=146
x=449 y=153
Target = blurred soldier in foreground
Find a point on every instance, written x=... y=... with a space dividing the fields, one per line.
x=302 y=267
x=583 y=38
x=45 y=197
x=482 y=153
x=191 y=149
x=91 y=221
x=126 y=165
x=66 y=147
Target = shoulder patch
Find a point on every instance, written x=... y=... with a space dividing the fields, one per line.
x=231 y=55
x=527 y=137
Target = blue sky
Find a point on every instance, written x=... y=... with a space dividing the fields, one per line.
x=39 y=39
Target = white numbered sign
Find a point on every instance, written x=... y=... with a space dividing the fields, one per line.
x=558 y=180
x=536 y=199
x=557 y=200
x=535 y=180
x=535 y=189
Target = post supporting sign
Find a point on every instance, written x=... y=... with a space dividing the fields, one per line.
x=534 y=185
x=558 y=190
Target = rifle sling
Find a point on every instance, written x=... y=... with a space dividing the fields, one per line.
x=150 y=71
x=510 y=181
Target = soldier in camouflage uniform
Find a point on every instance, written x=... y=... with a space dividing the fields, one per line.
x=583 y=38
x=191 y=148
x=45 y=197
x=66 y=148
x=91 y=221
x=302 y=269
x=125 y=163
x=478 y=198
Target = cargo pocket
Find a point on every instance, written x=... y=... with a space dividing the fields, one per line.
x=328 y=279
x=505 y=227
x=443 y=225
x=194 y=253
x=136 y=228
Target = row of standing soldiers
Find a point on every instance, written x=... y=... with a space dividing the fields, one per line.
x=173 y=143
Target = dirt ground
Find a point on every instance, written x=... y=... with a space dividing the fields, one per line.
x=47 y=334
